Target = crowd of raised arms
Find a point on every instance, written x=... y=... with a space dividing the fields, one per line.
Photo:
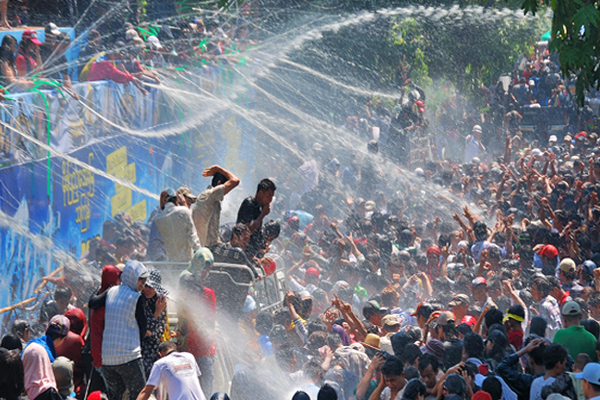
x=471 y=274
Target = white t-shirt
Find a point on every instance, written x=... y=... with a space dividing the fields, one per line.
x=386 y=394
x=538 y=383
x=178 y=373
x=472 y=148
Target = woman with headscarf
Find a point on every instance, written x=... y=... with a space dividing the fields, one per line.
x=155 y=308
x=111 y=276
x=72 y=347
x=196 y=325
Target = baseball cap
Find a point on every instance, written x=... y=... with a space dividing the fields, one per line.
x=97 y=395
x=458 y=300
x=469 y=320
x=446 y=318
x=186 y=192
x=571 y=308
x=171 y=193
x=372 y=307
x=536 y=152
x=552 y=139
x=581 y=135
x=311 y=271
x=591 y=373
x=477 y=128
x=589 y=266
x=31 y=35
x=131 y=34
x=567 y=138
x=59 y=324
x=52 y=28
x=390 y=320
x=567 y=265
x=549 y=251
x=154 y=42
x=63 y=374
x=480 y=280
x=370 y=205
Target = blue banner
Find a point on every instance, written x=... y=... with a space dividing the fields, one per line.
x=56 y=199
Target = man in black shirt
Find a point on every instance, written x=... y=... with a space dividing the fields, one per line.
x=252 y=212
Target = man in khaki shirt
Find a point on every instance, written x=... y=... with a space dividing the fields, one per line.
x=206 y=211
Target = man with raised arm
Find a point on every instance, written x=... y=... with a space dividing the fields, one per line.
x=206 y=211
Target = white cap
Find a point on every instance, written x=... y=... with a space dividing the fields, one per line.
x=477 y=128
x=154 y=42
x=536 y=152
x=131 y=34
x=552 y=139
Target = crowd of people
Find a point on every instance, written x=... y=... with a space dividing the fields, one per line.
x=131 y=54
x=472 y=274
x=128 y=54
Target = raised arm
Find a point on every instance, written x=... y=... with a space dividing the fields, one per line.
x=232 y=180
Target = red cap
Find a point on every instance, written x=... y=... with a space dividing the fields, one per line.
x=549 y=251
x=311 y=271
x=434 y=250
x=97 y=395
x=580 y=134
x=469 y=320
x=31 y=35
x=416 y=311
x=480 y=280
x=481 y=395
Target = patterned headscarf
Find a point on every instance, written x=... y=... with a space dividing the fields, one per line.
x=203 y=258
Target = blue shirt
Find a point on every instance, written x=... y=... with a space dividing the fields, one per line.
x=265 y=345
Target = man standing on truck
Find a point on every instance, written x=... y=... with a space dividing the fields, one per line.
x=253 y=210
x=206 y=211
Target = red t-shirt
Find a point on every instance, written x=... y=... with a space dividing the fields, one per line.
x=201 y=339
x=515 y=337
x=71 y=348
x=21 y=64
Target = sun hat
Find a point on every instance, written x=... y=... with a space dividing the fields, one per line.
x=155 y=282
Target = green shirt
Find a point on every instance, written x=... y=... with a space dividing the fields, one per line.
x=577 y=340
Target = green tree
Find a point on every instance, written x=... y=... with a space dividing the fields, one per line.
x=575 y=38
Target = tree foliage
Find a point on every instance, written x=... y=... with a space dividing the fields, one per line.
x=468 y=46
x=575 y=38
